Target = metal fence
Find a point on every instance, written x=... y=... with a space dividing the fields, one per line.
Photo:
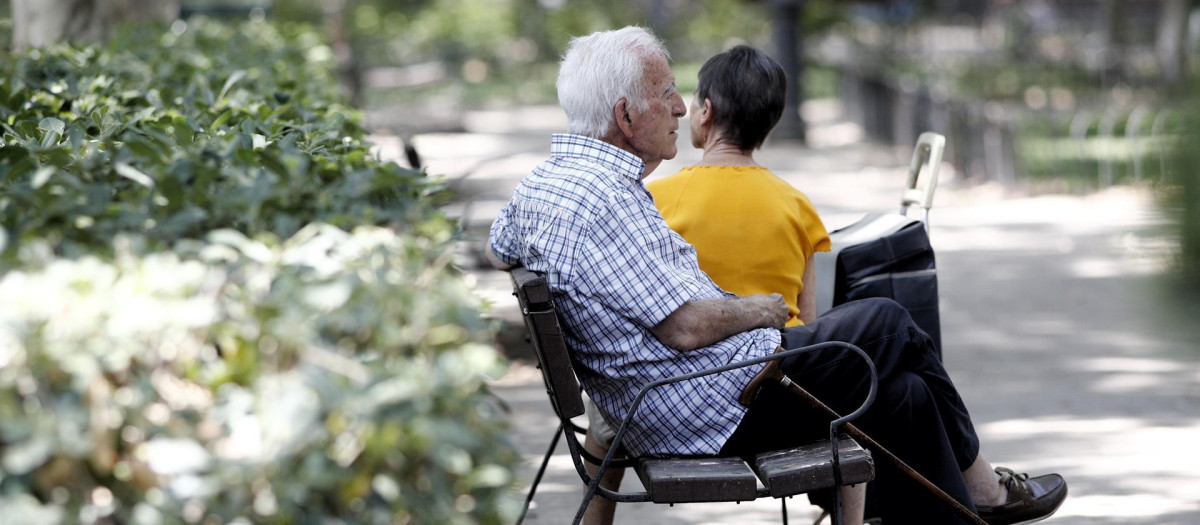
x=1114 y=144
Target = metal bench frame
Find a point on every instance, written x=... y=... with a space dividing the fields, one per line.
x=825 y=464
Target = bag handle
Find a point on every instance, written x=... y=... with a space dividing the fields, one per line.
x=928 y=154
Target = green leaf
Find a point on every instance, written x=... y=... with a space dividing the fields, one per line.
x=233 y=79
x=18 y=159
x=272 y=163
x=134 y=174
x=54 y=129
x=183 y=132
x=42 y=175
x=62 y=156
x=224 y=116
x=246 y=155
x=12 y=153
x=53 y=125
x=144 y=149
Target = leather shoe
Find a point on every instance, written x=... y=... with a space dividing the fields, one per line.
x=1029 y=499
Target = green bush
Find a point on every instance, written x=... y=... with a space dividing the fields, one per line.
x=220 y=307
x=1180 y=193
x=331 y=376
x=185 y=137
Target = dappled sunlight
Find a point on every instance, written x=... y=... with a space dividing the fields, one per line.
x=1124 y=383
x=1140 y=506
x=1127 y=375
x=465 y=146
x=1026 y=428
x=503 y=168
x=989 y=239
x=1048 y=325
x=1120 y=339
x=1049 y=299
x=538 y=119
x=1118 y=466
x=1098 y=268
x=1121 y=206
x=758 y=512
x=837 y=134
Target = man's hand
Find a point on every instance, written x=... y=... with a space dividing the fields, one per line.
x=772 y=308
x=700 y=323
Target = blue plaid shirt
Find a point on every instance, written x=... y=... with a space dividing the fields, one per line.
x=585 y=220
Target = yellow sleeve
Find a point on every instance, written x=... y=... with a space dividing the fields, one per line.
x=818 y=237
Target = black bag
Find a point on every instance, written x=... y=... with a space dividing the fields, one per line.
x=899 y=266
x=884 y=256
x=889 y=255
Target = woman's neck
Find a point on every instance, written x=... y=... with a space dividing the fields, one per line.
x=720 y=153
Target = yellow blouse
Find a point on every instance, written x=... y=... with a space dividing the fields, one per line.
x=753 y=232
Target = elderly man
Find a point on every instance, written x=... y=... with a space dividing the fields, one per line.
x=636 y=307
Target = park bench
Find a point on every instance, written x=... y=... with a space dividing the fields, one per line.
x=778 y=474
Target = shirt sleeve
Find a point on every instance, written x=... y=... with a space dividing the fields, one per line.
x=503 y=239
x=814 y=229
x=629 y=262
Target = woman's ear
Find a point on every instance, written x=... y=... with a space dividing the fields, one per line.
x=622 y=117
x=705 y=114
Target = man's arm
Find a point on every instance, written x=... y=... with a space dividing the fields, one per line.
x=495 y=259
x=703 y=322
x=807 y=301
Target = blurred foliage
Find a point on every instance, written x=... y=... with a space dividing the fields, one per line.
x=1054 y=160
x=220 y=306
x=172 y=139
x=1181 y=193
x=332 y=376
x=1024 y=92
x=506 y=50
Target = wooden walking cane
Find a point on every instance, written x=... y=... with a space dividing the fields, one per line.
x=774 y=372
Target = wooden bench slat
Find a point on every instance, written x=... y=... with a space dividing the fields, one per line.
x=555 y=362
x=537 y=307
x=809 y=467
x=691 y=480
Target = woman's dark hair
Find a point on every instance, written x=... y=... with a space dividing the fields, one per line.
x=747 y=90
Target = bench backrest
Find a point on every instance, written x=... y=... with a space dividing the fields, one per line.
x=537 y=307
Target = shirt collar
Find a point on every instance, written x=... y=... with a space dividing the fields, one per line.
x=596 y=150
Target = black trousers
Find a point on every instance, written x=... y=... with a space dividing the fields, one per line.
x=917 y=413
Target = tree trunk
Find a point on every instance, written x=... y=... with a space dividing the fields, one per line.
x=1112 y=27
x=349 y=72
x=1172 y=40
x=785 y=17
x=531 y=19
x=656 y=15
x=38 y=23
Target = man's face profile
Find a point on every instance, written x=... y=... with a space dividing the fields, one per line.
x=655 y=130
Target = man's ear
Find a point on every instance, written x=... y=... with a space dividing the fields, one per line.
x=622 y=117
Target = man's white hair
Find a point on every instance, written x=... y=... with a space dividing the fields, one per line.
x=598 y=70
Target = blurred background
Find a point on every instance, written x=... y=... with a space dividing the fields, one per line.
x=1042 y=95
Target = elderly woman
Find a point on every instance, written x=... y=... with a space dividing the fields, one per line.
x=753 y=232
